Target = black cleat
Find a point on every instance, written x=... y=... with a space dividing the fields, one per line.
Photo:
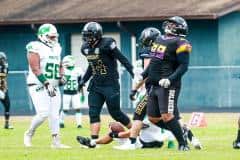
x=79 y=126
x=236 y=144
x=183 y=148
x=62 y=125
x=7 y=126
x=86 y=142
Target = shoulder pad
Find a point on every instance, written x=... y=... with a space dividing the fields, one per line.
x=109 y=42
x=183 y=46
x=84 y=48
x=33 y=46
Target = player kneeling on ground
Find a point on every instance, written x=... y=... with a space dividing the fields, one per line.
x=71 y=90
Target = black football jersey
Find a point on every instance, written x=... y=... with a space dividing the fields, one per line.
x=102 y=61
x=3 y=77
x=167 y=54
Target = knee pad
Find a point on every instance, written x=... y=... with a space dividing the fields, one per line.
x=119 y=116
x=94 y=114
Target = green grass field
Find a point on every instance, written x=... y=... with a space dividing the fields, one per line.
x=216 y=138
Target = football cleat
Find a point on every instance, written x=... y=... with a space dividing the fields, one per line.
x=7 y=126
x=27 y=140
x=196 y=143
x=128 y=146
x=56 y=144
x=60 y=146
x=61 y=125
x=236 y=144
x=86 y=142
x=171 y=145
x=183 y=148
x=79 y=126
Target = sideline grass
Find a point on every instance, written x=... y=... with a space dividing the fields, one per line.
x=216 y=138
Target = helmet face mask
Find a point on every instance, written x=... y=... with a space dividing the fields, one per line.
x=176 y=26
x=92 y=32
x=47 y=33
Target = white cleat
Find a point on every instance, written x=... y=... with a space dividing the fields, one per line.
x=60 y=146
x=128 y=146
x=27 y=140
x=196 y=143
x=57 y=145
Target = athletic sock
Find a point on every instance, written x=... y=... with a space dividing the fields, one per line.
x=94 y=136
x=132 y=140
x=61 y=117
x=176 y=129
x=78 y=117
x=238 y=135
x=190 y=135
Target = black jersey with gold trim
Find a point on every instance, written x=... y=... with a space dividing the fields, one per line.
x=102 y=59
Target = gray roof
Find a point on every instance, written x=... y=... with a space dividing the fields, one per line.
x=74 y=11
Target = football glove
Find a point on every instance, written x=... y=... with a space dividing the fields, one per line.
x=62 y=81
x=165 y=83
x=50 y=89
x=132 y=95
x=82 y=99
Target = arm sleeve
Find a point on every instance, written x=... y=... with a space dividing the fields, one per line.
x=183 y=60
x=124 y=61
x=145 y=73
x=87 y=74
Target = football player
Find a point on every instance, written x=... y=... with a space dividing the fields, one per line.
x=150 y=136
x=44 y=56
x=102 y=55
x=236 y=143
x=169 y=61
x=71 y=95
x=148 y=36
x=4 y=89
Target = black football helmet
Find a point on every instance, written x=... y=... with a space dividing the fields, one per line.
x=176 y=26
x=92 y=32
x=147 y=36
x=3 y=59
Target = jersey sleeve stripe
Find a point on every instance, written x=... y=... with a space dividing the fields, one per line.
x=184 y=48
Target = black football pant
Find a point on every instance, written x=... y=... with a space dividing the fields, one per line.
x=6 y=105
x=109 y=94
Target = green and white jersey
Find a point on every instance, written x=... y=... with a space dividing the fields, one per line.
x=50 y=59
x=72 y=79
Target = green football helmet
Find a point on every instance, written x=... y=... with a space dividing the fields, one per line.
x=47 y=33
x=68 y=61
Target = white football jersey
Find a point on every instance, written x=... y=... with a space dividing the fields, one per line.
x=50 y=59
x=72 y=78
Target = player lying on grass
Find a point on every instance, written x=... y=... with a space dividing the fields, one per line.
x=150 y=136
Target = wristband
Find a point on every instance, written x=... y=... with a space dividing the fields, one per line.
x=42 y=78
